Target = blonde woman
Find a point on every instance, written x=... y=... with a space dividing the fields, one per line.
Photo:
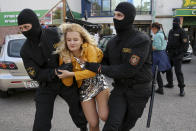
x=76 y=47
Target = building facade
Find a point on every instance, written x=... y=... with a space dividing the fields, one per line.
x=187 y=13
x=9 y=10
x=163 y=12
x=101 y=11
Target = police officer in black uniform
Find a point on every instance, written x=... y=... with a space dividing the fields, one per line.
x=40 y=64
x=127 y=60
x=176 y=47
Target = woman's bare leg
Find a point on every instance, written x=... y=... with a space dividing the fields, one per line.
x=89 y=108
x=102 y=103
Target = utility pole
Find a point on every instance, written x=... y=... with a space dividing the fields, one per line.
x=64 y=10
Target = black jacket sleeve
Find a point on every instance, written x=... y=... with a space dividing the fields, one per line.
x=184 y=40
x=132 y=63
x=105 y=60
x=183 y=36
x=35 y=72
x=168 y=44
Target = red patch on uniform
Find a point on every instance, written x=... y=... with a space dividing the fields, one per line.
x=134 y=60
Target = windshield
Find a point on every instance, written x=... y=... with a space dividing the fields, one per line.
x=14 y=47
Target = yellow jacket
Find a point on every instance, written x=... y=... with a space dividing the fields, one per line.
x=90 y=54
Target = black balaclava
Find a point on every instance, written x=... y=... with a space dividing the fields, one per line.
x=176 y=23
x=130 y=12
x=27 y=16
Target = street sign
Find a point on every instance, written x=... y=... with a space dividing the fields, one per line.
x=10 y=18
x=185 y=12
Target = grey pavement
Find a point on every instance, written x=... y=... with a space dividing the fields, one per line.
x=170 y=112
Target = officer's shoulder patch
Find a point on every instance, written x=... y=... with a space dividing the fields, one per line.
x=134 y=60
x=126 y=50
x=31 y=71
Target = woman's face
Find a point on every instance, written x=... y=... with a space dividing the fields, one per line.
x=154 y=30
x=74 y=41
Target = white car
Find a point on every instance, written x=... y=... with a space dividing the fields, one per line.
x=12 y=72
x=188 y=55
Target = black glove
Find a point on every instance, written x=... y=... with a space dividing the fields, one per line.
x=94 y=67
x=67 y=66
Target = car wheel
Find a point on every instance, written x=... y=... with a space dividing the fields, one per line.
x=187 y=61
x=4 y=94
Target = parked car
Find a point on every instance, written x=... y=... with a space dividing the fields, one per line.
x=104 y=40
x=12 y=72
x=188 y=55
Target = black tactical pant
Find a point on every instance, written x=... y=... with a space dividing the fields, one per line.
x=177 y=64
x=126 y=105
x=159 y=80
x=45 y=97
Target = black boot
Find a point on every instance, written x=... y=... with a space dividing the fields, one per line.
x=182 y=92
x=169 y=85
x=160 y=90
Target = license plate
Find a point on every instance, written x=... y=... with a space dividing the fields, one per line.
x=31 y=84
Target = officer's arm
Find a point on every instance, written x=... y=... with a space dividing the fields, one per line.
x=167 y=47
x=35 y=72
x=134 y=62
x=184 y=40
x=105 y=57
x=105 y=60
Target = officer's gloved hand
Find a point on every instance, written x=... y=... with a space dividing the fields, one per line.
x=67 y=66
x=92 y=66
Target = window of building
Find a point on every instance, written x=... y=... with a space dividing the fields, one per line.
x=106 y=7
x=114 y=3
x=142 y=6
x=95 y=7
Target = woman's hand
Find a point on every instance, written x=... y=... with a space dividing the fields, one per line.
x=65 y=74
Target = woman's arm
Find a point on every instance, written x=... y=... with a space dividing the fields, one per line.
x=91 y=54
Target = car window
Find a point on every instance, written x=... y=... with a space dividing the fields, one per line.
x=14 y=47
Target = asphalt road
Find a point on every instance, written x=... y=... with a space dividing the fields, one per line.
x=170 y=113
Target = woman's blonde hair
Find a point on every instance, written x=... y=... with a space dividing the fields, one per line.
x=62 y=48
